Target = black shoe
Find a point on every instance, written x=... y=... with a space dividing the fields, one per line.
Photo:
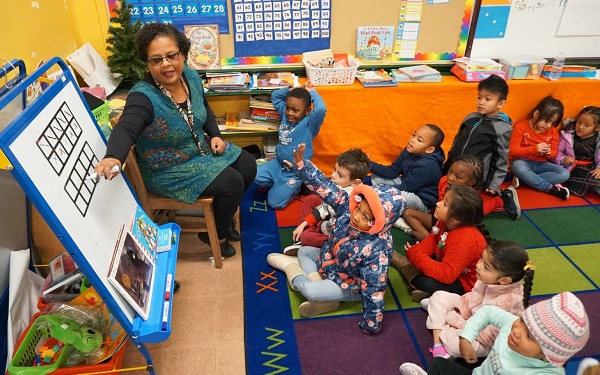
x=511 y=202
x=176 y=286
x=559 y=191
x=203 y=236
x=234 y=235
x=227 y=250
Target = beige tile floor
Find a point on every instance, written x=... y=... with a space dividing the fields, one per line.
x=207 y=333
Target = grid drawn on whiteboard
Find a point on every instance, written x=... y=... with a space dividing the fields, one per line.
x=59 y=138
x=77 y=187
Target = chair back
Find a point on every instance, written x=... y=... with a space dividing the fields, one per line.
x=135 y=176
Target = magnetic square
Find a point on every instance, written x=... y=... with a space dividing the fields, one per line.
x=492 y=21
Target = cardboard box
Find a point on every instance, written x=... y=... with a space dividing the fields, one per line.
x=475 y=75
x=526 y=67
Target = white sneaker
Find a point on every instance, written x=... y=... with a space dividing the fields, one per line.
x=425 y=304
x=515 y=182
x=292 y=250
x=403 y=226
x=411 y=369
x=585 y=364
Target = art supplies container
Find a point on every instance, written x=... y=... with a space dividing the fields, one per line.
x=332 y=76
x=526 y=67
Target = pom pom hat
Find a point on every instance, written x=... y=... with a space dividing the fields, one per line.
x=385 y=202
x=560 y=325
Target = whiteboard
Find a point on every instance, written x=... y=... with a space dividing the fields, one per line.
x=57 y=149
x=540 y=28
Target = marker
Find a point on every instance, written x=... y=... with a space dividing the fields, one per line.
x=168 y=287
x=165 y=317
x=94 y=176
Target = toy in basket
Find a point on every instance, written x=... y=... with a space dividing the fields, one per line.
x=325 y=68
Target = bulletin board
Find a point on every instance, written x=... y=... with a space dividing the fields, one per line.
x=539 y=28
x=443 y=32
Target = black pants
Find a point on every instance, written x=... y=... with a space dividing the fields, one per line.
x=441 y=366
x=228 y=189
x=429 y=285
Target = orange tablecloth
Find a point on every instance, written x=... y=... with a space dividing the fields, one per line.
x=380 y=120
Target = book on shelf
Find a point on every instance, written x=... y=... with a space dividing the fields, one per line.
x=419 y=71
x=374 y=42
x=238 y=81
x=131 y=272
x=401 y=77
x=477 y=63
x=571 y=71
x=273 y=80
x=264 y=113
x=375 y=78
x=261 y=101
x=204 y=49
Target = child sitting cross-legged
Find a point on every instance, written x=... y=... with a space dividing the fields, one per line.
x=316 y=217
x=466 y=170
x=500 y=273
x=540 y=342
x=417 y=170
x=447 y=258
x=352 y=264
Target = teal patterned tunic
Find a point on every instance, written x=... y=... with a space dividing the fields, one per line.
x=166 y=151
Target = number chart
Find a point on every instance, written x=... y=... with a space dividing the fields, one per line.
x=280 y=27
x=182 y=12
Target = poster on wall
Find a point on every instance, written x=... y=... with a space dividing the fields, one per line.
x=280 y=27
x=178 y=12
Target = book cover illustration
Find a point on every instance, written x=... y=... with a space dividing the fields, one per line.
x=274 y=80
x=418 y=71
x=401 y=77
x=374 y=42
x=204 y=52
x=375 y=79
x=132 y=273
x=145 y=230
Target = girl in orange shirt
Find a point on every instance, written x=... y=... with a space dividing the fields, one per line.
x=533 y=146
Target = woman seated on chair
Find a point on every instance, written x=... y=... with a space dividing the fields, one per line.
x=179 y=147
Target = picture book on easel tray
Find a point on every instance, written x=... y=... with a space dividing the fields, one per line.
x=131 y=272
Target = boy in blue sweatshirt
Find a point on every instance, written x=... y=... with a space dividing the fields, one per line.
x=299 y=124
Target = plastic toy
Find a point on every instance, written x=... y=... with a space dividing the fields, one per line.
x=84 y=339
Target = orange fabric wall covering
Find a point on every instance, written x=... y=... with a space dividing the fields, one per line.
x=381 y=120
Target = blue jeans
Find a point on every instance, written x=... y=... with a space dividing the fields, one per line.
x=324 y=290
x=540 y=175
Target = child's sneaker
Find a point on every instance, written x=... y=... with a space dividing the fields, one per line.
x=511 y=202
x=425 y=304
x=559 y=191
x=515 y=182
x=403 y=226
x=411 y=369
x=292 y=250
x=438 y=350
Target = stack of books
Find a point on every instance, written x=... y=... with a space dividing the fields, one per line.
x=273 y=80
x=476 y=69
x=572 y=71
x=228 y=81
x=417 y=73
x=262 y=111
x=375 y=78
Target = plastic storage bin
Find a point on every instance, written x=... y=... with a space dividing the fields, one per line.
x=102 y=114
x=526 y=67
x=332 y=76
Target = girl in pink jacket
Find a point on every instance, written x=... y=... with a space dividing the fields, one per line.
x=500 y=271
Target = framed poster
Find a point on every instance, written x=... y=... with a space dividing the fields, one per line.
x=204 y=53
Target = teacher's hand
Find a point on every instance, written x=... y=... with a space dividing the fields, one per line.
x=217 y=145
x=104 y=167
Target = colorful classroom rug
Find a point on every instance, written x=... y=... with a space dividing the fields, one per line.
x=561 y=237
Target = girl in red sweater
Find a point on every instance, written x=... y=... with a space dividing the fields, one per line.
x=533 y=146
x=447 y=258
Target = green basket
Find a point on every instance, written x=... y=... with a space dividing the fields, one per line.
x=22 y=362
x=102 y=114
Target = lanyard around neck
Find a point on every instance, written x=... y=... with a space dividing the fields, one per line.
x=187 y=114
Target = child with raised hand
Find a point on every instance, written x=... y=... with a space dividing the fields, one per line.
x=417 y=170
x=579 y=151
x=540 y=342
x=533 y=147
x=317 y=217
x=299 y=124
x=486 y=134
x=466 y=170
x=447 y=258
x=500 y=273
x=352 y=264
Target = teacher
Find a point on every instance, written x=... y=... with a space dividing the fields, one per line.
x=179 y=147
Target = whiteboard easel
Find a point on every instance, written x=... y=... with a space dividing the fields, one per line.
x=52 y=146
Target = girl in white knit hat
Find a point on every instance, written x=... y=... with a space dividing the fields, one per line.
x=549 y=333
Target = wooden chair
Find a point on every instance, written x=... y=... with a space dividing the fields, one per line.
x=161 y=209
